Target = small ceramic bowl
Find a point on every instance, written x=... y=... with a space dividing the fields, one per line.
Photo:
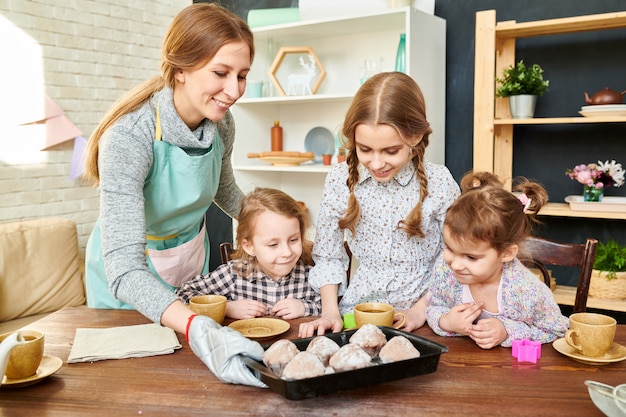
x=619 y=397
x=603 y=397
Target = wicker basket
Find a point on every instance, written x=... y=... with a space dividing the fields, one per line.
x=601 y=287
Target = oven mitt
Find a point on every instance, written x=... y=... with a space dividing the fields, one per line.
x=220 y=349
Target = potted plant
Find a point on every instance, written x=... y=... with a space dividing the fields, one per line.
x=608 y=279
x=522 y=85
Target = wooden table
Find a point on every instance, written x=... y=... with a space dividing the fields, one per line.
x=469 y=381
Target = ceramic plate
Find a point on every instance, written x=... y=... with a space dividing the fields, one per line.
x=608 y=204
x=48 y=366
x=604 y=107
x=604 y=110
x=617 y=353
x=260 y=328
x=320 y=141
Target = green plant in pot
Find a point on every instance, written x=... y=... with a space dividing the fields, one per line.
x=522 y=85
x=608 y=279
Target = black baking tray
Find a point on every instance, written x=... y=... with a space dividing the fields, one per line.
x=377 y=373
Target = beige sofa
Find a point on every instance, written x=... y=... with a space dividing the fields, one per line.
x=40 y=270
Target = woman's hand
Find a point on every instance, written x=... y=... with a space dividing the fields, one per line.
x=319 y=326
x=245 y=309
x=488 y=333
x=288 y=309
x=460 y=318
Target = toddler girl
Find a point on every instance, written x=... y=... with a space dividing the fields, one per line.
x=268 y=272
x=479 y=288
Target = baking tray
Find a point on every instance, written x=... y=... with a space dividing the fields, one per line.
x=377 y=373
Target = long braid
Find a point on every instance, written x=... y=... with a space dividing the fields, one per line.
x=353 y=213
x=413 y=223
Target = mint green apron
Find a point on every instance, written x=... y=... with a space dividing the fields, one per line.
x=178 y=191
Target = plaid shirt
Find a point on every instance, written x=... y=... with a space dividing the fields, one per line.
x=238 y=280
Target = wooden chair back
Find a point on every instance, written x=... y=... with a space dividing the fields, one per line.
x=226 y=249
x=582 y=255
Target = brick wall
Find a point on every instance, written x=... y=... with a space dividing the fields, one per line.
x=84 y=54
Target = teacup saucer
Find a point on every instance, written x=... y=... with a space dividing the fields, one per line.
x=49 y=365
x=616 y=353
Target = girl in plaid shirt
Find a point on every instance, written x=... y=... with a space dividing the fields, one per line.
x=479 y=287
x=268 y=273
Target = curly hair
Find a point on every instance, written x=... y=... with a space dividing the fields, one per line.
x=488 y=212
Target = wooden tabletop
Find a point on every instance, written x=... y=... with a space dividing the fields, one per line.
x=469 y=381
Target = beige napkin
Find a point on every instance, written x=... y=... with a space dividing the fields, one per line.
x=122 y=342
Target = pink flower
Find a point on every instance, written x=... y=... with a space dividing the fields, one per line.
x=600 y=175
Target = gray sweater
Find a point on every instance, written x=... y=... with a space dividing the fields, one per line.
x=124 y=162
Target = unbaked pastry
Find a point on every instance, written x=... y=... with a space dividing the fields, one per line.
x=398 y=348
x=349 y=356
x=370 y=338
x=278 y=355
x=304 y=365
x=323 y=347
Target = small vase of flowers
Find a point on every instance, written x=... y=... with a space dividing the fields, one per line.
x=597 y=177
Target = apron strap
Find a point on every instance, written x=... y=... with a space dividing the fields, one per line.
x=157 y=131
x=157 y=136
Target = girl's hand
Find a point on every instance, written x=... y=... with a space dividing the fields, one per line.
x=288 y=309
x=245 y=309
x=326 y=322
x=488 y=333
x=415 y=317
x=460 y=318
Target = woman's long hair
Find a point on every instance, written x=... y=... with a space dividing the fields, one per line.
x=194 y=37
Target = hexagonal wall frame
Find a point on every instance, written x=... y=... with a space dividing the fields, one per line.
x=298 y=83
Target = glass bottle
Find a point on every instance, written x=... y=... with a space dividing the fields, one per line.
x=401 y=54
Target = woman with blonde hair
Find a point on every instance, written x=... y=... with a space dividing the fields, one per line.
x=161 y=157
x=388 y=201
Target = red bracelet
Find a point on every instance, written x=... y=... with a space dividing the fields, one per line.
x=189 y=324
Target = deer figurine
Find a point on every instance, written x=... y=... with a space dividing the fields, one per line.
x=302 y=80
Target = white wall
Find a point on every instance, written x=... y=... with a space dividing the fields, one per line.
x=84 y=55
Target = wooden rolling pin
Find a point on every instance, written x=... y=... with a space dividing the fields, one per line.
x=284 y=154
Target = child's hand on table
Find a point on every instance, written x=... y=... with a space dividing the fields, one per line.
x=245 y=309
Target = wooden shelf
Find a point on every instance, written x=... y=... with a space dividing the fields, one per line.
x=563 y=25
x=493 y=126
x=565 y=295
x=559 y=120
x=563 y=210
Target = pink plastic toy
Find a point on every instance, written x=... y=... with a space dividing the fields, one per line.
x=526 y=350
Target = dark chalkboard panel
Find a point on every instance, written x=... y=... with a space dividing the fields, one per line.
x=573 y=63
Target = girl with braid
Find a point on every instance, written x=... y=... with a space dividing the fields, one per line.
x=389 y=204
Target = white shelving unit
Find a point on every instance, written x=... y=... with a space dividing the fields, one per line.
x=342 y=45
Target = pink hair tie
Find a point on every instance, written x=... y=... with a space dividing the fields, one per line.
x=523 y=198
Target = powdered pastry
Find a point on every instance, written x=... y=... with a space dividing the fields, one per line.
x=278 y=355
x=398 y=348
x=323 y=347
x=370 y=338
x=304 y=365
x=348 y=357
